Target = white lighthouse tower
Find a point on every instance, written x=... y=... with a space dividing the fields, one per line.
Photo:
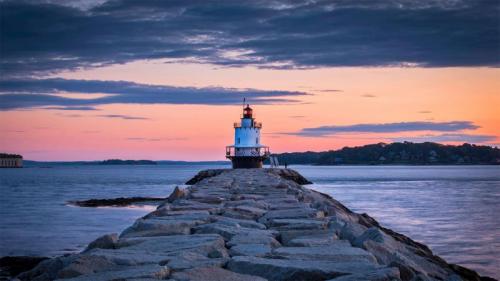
x=247 y=151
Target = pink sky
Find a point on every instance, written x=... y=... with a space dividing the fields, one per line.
x=368 y=95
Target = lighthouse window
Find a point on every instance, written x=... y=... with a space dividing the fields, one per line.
x=257 y=140
x=238 y=140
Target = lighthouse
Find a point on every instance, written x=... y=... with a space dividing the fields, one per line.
x=247 y=151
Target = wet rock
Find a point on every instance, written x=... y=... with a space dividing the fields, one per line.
x=187 y=260
x=251 y=212
x=295 y=270
x=383 y=274
x=334 y=252
x=188 y=205
x=319 y=240
x=287 y=235
x=238 y=222
x=291 y=214
x=205 y=244
x=291 y=175
x=107 y=241
x=152 y=271
x=247 y=249
x=178 y=193
x=247 y=202
x=154 y=250
x=373 y=234
x=204 y=175
x=12 y=266
x=253 y=238
x=296 y=224
x=213 y=274
x=85 y=265
x=166 y=212
x=351 y=231
x=228 y=232
x=47 y=270
x=159 y=227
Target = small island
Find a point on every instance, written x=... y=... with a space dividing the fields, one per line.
x=127 y=162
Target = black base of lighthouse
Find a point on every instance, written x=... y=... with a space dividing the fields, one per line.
x=246 y=162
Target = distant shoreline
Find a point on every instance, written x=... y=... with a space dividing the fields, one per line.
x=380 y=154
x=37 y=164
x=32 y=163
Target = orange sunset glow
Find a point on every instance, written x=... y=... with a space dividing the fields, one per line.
x=320 y=95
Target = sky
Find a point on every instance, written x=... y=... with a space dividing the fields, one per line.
x=150 y=79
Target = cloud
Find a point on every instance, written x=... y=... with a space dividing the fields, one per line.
x=368 y=96
x=329 y=90
x=452 y=126
x=425 y=112
x=125 y=117
x=274 y=34
x=142 y=139
x=468 y=138
x=70 y=115
x=79 y=108
x=29 y=93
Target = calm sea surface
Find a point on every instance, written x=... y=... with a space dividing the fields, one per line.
x=453 y=209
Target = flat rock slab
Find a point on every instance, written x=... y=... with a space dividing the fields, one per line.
x=238 y=222
x=290 y=234
x=187 y=260
x=320 y=240
x=213 y=274
x=228 y=232
x=152 y=271
x=249 y=238
x=290 y=224
x=334 y=253
x=384 y=274
x=159 y=227
x=296 y=270
x=258 y=250
x=292 y=214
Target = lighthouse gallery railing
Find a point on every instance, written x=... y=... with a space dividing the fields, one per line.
x=261 y=151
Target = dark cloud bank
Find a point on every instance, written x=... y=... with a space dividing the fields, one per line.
x=29 y=93
x=442 y=131
x=452 y=126
x=42 y=37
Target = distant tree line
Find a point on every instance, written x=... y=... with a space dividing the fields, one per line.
x=405 y=153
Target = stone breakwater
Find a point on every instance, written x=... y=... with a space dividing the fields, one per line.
x=251 y=224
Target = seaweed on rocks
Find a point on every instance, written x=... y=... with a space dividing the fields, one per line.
x=115 y=202
x=11 y=266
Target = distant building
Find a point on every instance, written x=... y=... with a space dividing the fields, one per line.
x=11 y=161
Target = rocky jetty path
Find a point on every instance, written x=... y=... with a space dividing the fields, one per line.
x=251 y=224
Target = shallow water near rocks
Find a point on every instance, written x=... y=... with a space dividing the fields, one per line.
x=452 y=209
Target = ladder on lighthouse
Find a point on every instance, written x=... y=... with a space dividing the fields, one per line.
x=274 y=162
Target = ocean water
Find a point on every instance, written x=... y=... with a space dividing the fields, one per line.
x=452 y=209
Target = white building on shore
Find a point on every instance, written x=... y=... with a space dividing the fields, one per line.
x=11 y=161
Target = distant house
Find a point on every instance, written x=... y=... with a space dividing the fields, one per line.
x=11 y=160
